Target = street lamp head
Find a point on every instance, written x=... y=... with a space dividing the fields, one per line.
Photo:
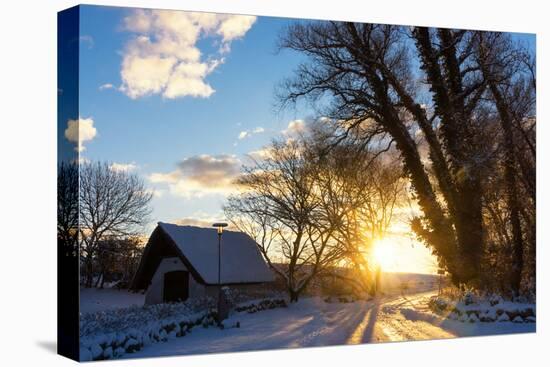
x=220 y=227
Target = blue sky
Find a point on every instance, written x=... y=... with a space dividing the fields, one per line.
x=180 y=130
x=154 y=133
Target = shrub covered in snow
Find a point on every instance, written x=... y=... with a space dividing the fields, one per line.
x=237 y=296
x=115 y=344
x=469 y=307
x=111 y=334
x=266 y=304
x=136 y=316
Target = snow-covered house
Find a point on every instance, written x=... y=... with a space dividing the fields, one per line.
x=181 y=262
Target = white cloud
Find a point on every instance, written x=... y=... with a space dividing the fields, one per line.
x=123 y=167
x=235 y=26
x=201 y=175
x=248 y=133
x=145 y=75
x=188 y=80
x=163 y=58
x=106 y=86
x=79 y=131
x=294 y=128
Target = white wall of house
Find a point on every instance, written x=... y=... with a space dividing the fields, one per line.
x=155 y=290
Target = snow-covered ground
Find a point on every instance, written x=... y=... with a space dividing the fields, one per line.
x=95 y=299
x=403 y=312
x=314 y=322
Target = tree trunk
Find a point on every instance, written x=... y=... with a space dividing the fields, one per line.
x=293 y=295
x=517 y=259
x=469 y=232
x=443 y=73
x=511 y=189
x=102 y=279
x=89 y=273
x=96 y=285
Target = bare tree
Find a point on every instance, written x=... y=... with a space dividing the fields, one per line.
x=511 y=84
x=67 y=208
x=364 y=78
x=117 y=259
x=358 y=192
x=318 y=207
x=112 y=203
x=280 y=207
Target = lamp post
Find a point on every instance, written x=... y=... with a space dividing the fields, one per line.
x=221 y=309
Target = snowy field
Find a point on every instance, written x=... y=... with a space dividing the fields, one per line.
x=94 y=299
x=313 y=322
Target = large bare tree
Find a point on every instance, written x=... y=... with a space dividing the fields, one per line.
x=359 y=188
x=113 y=203
x=509 y=73
x=318 y=207
x=423 y=87
x=280 y=208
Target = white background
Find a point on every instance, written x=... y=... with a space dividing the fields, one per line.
x=28 y=184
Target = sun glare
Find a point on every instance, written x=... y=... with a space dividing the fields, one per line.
x=399 y=254
x=383 y=254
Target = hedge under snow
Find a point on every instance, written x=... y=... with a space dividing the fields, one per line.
x=493 y=308
x=110 y=334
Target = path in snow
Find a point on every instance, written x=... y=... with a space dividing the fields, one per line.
x=313 y=322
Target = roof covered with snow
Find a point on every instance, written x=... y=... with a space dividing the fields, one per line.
x=241 y=261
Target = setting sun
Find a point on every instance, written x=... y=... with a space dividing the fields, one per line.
x=384 y=254
x=397 y=253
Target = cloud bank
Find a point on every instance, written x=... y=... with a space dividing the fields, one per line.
x=201 y=175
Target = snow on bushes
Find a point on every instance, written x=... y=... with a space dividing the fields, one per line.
x=136 y=316
x=115 y=344
x=110 y=334
x=470 y=307
x=266 y=304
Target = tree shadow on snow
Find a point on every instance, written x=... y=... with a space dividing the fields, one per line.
x=371 y=323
